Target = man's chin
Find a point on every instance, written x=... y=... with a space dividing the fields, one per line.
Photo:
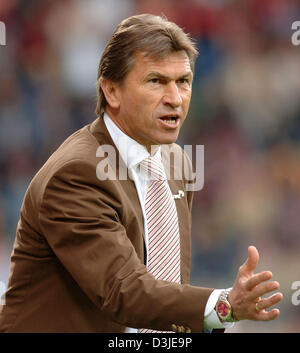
x=169 y=140
x=162 y=140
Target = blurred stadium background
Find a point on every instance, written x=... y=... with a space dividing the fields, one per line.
x=245 y=111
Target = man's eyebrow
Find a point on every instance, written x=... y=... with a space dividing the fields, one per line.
x=159 y=75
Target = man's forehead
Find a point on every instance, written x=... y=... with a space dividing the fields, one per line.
x=177 y=58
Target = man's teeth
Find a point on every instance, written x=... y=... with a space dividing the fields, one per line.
x=170 y=120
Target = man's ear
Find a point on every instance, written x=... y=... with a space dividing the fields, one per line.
x=110 y=90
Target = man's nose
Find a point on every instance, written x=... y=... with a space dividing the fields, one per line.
x=172 y=95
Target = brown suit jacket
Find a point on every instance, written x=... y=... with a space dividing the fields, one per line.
x=78 y=262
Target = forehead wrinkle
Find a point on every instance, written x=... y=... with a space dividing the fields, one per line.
x=174 y=56
x=163 y=67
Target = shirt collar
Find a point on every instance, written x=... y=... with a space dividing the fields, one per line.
x=130 y=150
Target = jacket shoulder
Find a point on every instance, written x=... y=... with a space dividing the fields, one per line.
x=77 y=150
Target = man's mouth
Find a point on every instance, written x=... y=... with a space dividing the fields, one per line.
x=170 y=120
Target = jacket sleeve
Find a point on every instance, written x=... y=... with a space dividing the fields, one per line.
x=79 y=221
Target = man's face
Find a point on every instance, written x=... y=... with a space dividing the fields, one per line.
x=154 y=98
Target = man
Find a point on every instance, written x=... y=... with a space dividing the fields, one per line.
x=98 y=254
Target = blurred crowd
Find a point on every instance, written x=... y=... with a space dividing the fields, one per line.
x=245 y=110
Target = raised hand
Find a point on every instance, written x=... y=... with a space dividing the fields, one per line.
x=245 y=296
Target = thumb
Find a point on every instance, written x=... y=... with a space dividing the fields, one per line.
x=250 y=264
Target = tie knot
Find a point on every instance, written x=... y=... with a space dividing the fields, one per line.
x=153 y=169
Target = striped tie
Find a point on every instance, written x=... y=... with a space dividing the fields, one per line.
x=162 y=224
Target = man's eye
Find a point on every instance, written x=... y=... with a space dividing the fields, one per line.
x=183 y=80
x=154 y=80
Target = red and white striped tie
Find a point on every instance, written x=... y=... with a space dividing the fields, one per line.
x=162 y=224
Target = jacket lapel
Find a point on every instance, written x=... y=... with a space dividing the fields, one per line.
x=100 y=132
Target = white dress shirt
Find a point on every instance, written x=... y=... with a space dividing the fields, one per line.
x=132 y=154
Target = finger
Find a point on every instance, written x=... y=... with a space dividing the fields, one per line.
x=266 y=303
x=263 y=288
x=257 y=279
x=250 y=264
x=267 y=315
